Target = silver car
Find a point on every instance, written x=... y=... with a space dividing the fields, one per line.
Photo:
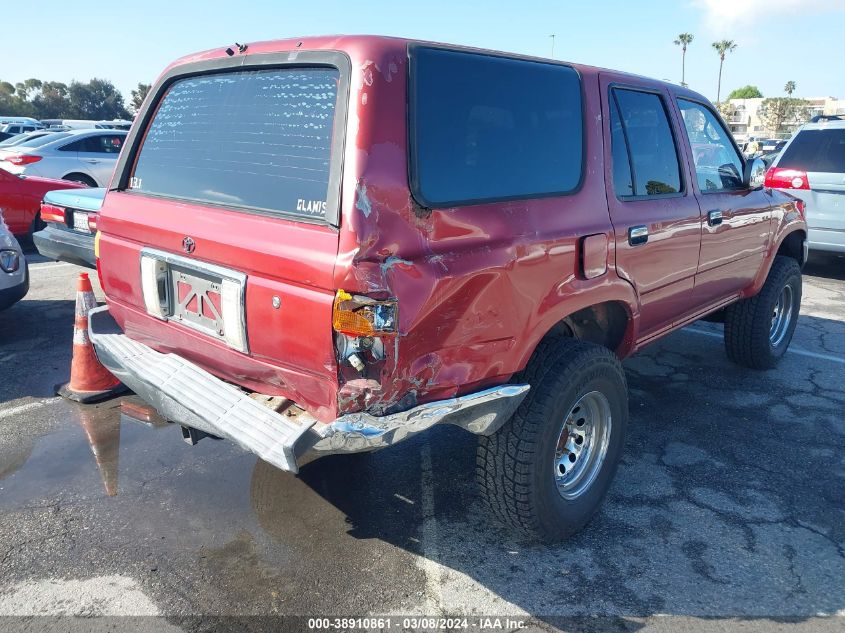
x=17 y=139
x=812 y=167
x=86 y=156
x=14 y=273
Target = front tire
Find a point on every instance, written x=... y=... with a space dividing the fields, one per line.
x=546 y=471
x=758 y=330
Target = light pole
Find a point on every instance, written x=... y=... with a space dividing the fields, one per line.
x=553 y=44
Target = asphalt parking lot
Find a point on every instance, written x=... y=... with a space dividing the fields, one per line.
x=729 y=507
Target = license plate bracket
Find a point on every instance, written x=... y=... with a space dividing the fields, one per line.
x=197 y=299
x=198 y=295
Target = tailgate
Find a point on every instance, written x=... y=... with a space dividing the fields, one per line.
x=826 y=200
x=287 y=350
x=219 y=243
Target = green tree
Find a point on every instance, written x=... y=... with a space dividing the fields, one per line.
x=777 y=112
x=746 y=92
x=684 y=40
x=789 y=88
x=138 y=96
x=27 y=87
x=52 y=101
x=97 y=99
x=722 y=47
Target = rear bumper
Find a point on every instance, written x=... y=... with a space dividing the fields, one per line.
x=66 y=246
x=185 y=394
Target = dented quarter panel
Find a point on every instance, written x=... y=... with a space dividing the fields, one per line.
x=479 y=285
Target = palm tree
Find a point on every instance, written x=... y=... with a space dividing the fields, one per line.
x=684 y=39
x=789 y=88
x=722 y=47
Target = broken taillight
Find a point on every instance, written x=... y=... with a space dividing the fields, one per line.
x=356 y=315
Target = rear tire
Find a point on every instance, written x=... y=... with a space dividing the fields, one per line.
x=85 y=180
x=535 y=474
x=758 y=330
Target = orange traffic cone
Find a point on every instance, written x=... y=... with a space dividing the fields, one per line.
x=89 y=380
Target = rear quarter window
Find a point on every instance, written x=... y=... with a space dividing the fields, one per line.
x=816 y=150
x=255 y=139
x=487 y=128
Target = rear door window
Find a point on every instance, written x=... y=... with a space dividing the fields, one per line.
x=256 y=139
x=652 y=156
x=103 y=144
x=816 y=151
x=487 y=128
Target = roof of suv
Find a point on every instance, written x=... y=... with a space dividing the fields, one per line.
x=365 y=42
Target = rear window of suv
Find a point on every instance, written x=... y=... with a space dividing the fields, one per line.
x=816 y=150
x=258 y=139
x=487 y=128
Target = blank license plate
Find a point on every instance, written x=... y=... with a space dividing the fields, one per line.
x=80 y=221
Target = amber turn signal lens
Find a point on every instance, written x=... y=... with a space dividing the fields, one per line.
x=361 y=316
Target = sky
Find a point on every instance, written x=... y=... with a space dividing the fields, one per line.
x=777 y=40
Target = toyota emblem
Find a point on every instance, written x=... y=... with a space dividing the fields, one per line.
x=188 y=245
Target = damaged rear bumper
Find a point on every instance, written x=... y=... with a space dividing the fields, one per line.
x=188 y=395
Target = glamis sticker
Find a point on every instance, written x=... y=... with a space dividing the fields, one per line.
x=312 y=207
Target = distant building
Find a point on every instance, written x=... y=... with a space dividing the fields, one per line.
x=744 y=121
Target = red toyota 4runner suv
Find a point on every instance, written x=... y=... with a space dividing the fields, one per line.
x=330 y=245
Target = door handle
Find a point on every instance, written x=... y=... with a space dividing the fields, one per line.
x=93 y=161
x=714 y=218
x=638 y=235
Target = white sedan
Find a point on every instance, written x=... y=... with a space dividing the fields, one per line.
x=86 y=156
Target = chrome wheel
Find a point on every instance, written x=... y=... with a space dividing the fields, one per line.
x=781 y=316
x=582 y=444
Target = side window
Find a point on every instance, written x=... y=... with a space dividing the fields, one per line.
x=76 y=146
x=488 y=128
x=718 y=166
x=653 y=158
x=105 y=144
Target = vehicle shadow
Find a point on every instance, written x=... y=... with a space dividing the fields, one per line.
x=713 y=513
x=35 y=334
x=826 y=265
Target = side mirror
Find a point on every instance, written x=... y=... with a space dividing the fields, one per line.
x=755 y=173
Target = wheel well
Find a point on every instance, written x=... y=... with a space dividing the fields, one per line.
x=793 y=246
x=80 y=177
x=603 y=323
